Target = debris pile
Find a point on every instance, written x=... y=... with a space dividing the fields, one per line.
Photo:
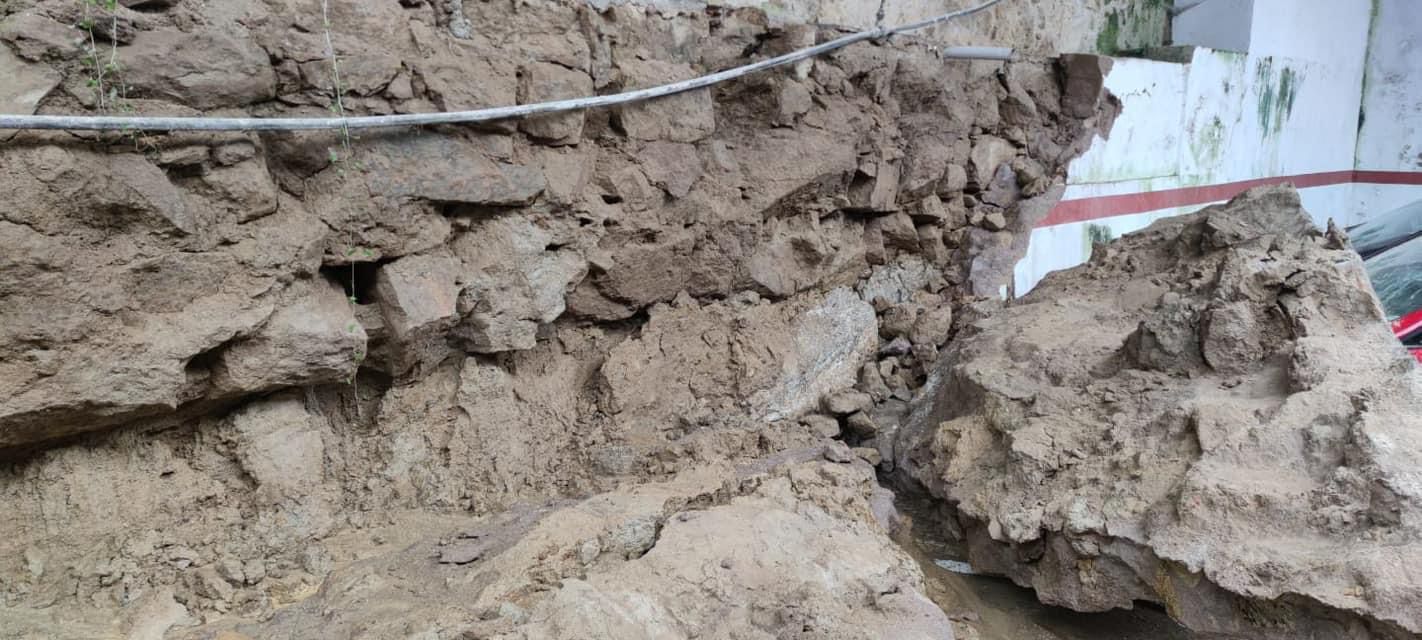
x=238 y=371
x=785 y=551
x=1210 y=415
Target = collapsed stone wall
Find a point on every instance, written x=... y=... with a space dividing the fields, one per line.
x=222 y=354
x=1211 y=414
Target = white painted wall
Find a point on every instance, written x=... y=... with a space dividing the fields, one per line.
x=1223 y=117
x=1250 y=116
x=1236 y=121
x=1391 y=136
x=1153 y=96
x=1377 y=199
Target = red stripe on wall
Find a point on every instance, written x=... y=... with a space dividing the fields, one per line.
x=1388 y=177
x=1084 y=209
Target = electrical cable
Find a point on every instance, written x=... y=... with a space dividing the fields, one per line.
x=147 y=123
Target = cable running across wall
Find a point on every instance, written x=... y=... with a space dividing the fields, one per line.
x=145 y=123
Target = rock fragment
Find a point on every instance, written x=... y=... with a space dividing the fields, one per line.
x=417 y=297
x=546 y=82
x=843 y=403
x=1083 y=76
x=685 y=117
x=314 y=338
x=512 y=283
x=26 y=84
x=1135 y=462
x=989 y=153
x=206 y=70
x=862 y=425
x=822 y=425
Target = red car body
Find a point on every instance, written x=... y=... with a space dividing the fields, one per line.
x=1408 y=329
x=1391 y=247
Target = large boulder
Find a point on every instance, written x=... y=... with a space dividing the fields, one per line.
x=1210 y=415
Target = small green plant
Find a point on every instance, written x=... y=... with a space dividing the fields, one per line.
x=364 y=252
x=108 y=90
x=359 y=355
x=338 y=106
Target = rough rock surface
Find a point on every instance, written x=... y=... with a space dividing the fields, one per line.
x=228 y=360
x=25 y=84
x=152 y=265
x=788 y=551
x=1210 y=415
x=763 y=360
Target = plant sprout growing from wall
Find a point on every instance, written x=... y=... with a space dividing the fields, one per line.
x=110 y=91
x=338 y=107
x=359 y=355
x=107 y=91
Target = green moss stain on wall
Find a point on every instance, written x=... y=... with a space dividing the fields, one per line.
x=1362 y=112
x=1208 y=144
x=1109 y=36
x=1132 y=25
x=1276 y=95
x=1264 y=80
x=1095 y=234
x=1284 y=99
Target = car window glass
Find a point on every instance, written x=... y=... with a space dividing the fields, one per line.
x=1388 y=229
x=1396 y=275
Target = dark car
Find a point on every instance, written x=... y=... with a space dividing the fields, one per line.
x=1391 y=247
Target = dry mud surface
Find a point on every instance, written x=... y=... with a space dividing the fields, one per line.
x=1210 y=415
x=630 y=373
x=595 y=374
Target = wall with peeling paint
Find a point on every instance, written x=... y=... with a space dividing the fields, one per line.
x=1390 y=134
x=1287 y=106
x=1153 y=94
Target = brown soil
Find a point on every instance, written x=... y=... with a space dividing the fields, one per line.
x=464 y=381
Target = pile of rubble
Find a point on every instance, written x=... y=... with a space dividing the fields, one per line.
x=629 y=373
x=238 y=371
x=1210 y=415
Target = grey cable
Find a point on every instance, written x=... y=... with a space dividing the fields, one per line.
x=979 y=53
x=144 y=123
